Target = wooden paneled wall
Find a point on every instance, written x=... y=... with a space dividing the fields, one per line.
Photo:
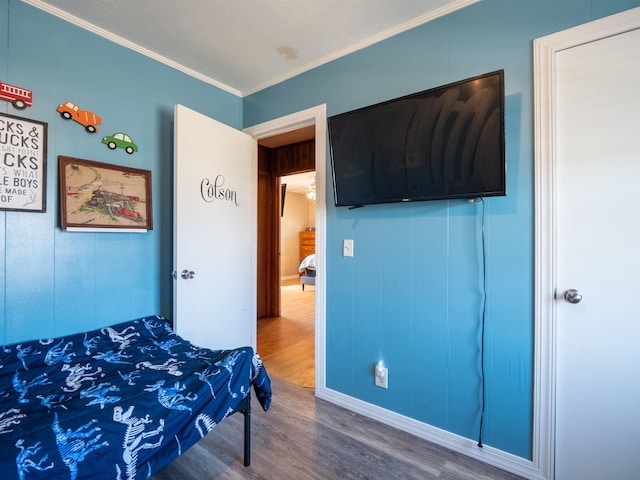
x=295 y=158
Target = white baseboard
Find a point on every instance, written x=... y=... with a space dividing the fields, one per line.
x=492 y=456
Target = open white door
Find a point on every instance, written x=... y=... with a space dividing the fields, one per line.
x=214 y=296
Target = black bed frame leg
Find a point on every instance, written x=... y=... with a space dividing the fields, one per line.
x=247 y=430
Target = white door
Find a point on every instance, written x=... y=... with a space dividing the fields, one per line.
x=598 y=254
x=214 y=232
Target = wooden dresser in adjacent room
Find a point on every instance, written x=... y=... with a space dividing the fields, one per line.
x=307 y=243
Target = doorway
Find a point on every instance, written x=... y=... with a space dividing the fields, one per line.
x=289 y=337
x=285 y=335
x=311 y=120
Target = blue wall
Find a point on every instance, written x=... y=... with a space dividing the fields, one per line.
x=412 y=295
x=55 y=282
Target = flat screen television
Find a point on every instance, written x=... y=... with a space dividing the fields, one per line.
x=443 y=143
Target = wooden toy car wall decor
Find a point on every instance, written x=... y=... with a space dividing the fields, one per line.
x=70 y=111
x=21 y=98
x=121 y=140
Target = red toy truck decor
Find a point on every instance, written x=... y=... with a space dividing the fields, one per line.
x=70 y=111
x=21 y=98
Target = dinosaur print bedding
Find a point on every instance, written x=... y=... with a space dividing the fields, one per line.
x=119 y=402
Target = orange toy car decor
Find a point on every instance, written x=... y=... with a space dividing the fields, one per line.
x=21 y=98
x=70 y=111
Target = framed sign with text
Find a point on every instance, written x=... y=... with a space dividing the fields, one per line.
x=23 y=171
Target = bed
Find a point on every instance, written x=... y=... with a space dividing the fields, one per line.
x=119 y=402
x=307 y=270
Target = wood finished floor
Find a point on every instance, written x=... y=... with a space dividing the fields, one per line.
x=305 y=438
x=286 y=343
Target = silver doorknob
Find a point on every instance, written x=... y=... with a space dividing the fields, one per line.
x=187 y=274
x=572 y=296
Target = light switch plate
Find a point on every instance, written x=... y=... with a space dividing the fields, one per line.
x=347 y=248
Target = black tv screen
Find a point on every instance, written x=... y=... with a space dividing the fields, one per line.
x=442 y=143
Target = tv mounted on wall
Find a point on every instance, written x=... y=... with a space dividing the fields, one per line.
x=443 y=143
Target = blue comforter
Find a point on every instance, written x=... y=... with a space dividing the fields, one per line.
x=119 y=402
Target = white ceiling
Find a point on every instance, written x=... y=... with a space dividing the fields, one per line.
x=243 y=46
x=300 y=182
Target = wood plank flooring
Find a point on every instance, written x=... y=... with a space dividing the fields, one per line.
x=286 y=343
x=304 y=438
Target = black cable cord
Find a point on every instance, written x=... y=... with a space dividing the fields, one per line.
x=484 y=309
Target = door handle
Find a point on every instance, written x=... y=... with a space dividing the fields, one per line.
x=572 y=296
x=188 y=274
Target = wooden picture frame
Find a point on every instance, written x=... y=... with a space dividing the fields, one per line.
x=101 y=196
x=23 y=173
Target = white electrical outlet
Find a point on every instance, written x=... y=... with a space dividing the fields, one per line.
x=381 y=376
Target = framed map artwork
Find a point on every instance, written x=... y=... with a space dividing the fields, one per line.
x=96 y=195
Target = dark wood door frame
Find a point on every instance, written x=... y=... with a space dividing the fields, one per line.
x=274 y=163
x=268 y=242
